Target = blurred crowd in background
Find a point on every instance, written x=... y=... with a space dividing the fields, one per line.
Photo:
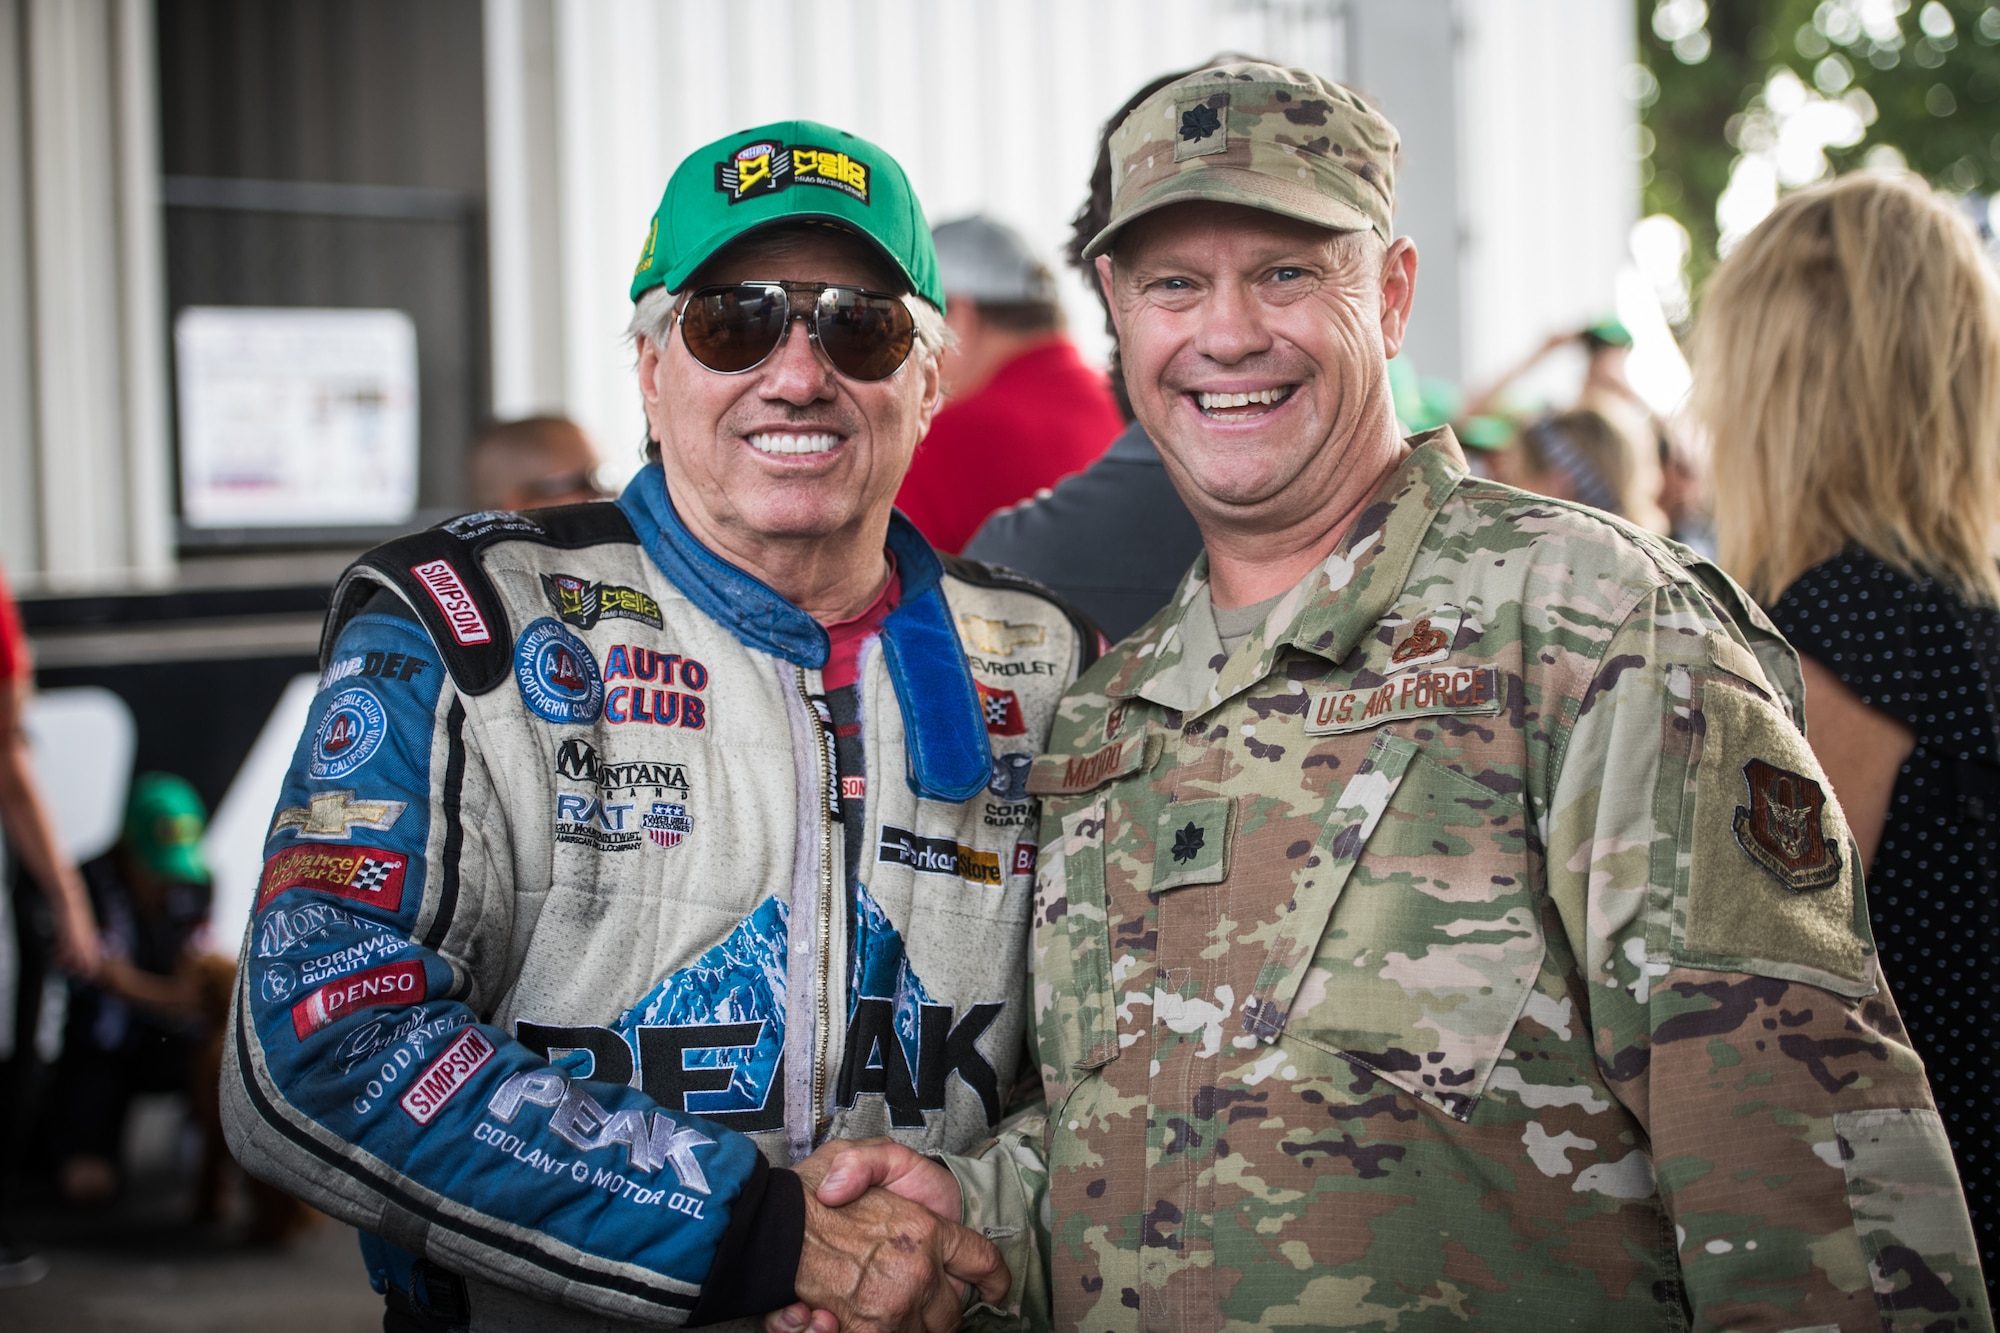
x=1840 y=454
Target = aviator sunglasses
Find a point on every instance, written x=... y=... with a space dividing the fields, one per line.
x=864 y=335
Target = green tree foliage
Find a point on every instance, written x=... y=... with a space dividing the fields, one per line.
x=1930 y=70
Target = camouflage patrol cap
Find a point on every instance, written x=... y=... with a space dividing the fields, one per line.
x=1283 y=140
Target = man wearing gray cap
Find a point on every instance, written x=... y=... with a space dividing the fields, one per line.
x=1440 y=921
x=1023 y=410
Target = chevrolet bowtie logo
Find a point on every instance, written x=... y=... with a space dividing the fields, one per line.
x=336 y=814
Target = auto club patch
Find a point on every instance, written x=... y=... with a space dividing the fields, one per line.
x=557 y=675
x=349 y=734
x=1783 y=828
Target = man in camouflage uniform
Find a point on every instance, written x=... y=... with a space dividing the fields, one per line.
x=1441 y=922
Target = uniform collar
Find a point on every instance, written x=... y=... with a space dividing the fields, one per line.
x=949 y=756
x=1327 y=613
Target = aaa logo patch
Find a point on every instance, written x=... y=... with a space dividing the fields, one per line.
x=557 y=675
x=1783 y=828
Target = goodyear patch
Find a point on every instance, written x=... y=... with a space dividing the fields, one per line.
x=1421 y=693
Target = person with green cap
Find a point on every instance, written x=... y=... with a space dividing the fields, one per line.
x=1441 y=920
x=130 y=1028
x=636 y=852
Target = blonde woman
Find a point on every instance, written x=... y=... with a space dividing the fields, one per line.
x=1848 y=366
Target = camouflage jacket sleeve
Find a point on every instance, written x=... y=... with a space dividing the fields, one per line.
x=1708 y=888
x=1003 y=1185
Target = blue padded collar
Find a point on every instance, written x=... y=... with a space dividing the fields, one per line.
x=949 y=757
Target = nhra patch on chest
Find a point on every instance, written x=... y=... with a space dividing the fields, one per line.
x=1783 y=829
x=557 y=675
x=1423 y=693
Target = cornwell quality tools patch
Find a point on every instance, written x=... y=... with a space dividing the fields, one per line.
x=1423 y=693
x=1782 y=829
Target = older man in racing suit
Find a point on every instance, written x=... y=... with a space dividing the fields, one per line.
x=634 y=851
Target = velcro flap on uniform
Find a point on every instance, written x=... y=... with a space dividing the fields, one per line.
x=1737 y=660
x=1422 y=693
x=1191 y=845
x=1068 y=774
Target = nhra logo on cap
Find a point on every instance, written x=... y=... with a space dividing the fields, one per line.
x=557 y=675
x=396 y=983
x=362 y=874
x=447 y=589
x=766 y=167
x=348 y=735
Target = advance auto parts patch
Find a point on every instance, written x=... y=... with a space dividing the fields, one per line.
x=1770 y=887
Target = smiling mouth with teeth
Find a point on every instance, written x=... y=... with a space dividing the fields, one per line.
x=776 y=442
x=1231 y=404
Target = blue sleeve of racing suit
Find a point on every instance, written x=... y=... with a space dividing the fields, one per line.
x=363 y=1080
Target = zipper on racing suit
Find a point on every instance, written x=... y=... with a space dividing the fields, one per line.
x=826 y=764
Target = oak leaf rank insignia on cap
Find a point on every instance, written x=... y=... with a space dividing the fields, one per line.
x=1782 y=829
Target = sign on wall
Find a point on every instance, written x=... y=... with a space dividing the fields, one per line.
x=296 y=418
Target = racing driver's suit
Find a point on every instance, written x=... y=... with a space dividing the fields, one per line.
x=585 y=908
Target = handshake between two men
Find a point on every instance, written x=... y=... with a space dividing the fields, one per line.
x=883 y=1245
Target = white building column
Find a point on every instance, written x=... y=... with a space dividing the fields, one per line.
x=96 y=295
x=524 y=208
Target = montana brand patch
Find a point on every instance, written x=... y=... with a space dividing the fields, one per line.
x=1422 y=693
x=1783 y=828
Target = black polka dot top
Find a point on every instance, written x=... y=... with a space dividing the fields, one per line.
x=1915 y=651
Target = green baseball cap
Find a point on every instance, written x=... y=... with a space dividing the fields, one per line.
x=795 y=169
x=164 y=823
x=1282 y=140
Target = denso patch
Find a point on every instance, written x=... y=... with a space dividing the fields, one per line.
x=369 y=875
x=394 y=983
x=1423 y=693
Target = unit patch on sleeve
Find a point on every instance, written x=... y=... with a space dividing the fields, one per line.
x=1782 y=830
x=557 y=675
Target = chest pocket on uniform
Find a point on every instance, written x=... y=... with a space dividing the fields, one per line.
x=1072 y=918
x=1411 y=949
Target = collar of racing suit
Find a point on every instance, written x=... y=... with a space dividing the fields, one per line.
x=943 y=722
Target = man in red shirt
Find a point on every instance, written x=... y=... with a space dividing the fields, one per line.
x=1024 y=411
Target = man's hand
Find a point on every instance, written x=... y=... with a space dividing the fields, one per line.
x=891 y=1257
